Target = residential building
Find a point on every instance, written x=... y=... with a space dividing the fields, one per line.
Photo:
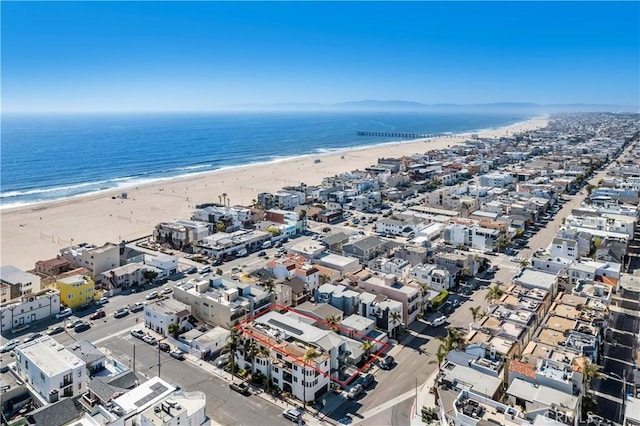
x=223 y=244
x=76 y=290
x=165 y=264
x=180 y=408
x=390 y=286
x=95 y=259
x=159 y=314
x=604 y=272
x=542 y=400
x=30 y=308
x=180 y=234
x=52 y=267
x=436 y=277
x=534 y=278
x=387 y=313
x=338 y=296
x=364 y=249
x=14 y=283
x=52 y=371
x=122 y=278
x=472 y=409
x=221 y=301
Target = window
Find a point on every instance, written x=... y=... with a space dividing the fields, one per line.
x=295 y=380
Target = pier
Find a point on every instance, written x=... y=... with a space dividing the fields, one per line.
x=401 y=135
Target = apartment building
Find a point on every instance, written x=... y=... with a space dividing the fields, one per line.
x=178 y=409
x=76 y=290
x=30 y=308
x=14 y=283
x=52 y=371
x=95 y=259
x=180 y=234
x=389 y=286
x=160 y=314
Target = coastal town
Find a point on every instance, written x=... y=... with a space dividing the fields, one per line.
x=490 y=280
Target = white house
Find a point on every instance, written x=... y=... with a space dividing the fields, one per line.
x=160 y=314
x=51 y=370
x=436 y=277
x=28 y=309
x=165 y=263
x=179 y=409
x=180 y=233
x=95 y=259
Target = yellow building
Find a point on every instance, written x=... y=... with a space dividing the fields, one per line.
x=76 y=290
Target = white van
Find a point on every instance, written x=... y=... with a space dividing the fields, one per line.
x=266 y=244
x=205 y=269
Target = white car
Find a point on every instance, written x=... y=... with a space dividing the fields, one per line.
x=9 y=346
x=151 y=295
x=66 y=312
x=166 y=290
x=102 y=301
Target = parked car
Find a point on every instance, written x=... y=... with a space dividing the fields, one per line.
x=32 y=337
x=73 y=323
x=102 y=301
x=120 y=313
x=387 y=363
x=177 y=354
x=293 y=414
x=66 y=312
x=222 y=361
x=241 y=388
x=355 y=391
x=55 y=330
x=135 y=307
x=83 y=326
x=455 y=302
x=97 y=315
x=367 y=380
x=164 y=346
x=346 y=420
x=166 y=290
x=150 y=340
x=151 y=295
x=262 y=254
x=9 y=346
x=438 y=321
x=137 y=333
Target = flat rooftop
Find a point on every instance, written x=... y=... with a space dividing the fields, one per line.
x=557 y=323
x=50 y=356
x=144 y=395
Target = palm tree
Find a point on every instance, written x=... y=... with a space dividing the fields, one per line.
x=270 y=286
x=494 y=293
x=224 y=198
x=233 y=343
x=589 y=372
x=424 y=290
x=441 y=354
x=476 y=312
x=454 y=339
x=333 y=322
x=252 y=350
x=265 y=352
x=309 y=356
x=366 y=346
x=395 y=318
x=524 y=263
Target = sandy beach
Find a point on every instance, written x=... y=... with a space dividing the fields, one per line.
x=39 y=231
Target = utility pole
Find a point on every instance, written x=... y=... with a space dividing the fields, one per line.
x=158 y=360
x=134 y=357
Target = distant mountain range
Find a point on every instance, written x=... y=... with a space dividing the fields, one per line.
x=409 y=106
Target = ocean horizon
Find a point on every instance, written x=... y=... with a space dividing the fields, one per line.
x=53 y=157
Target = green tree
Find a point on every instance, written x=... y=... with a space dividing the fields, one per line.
x=476 y=312
x=396 y=319
x=441 y=354
x=524 y=263
x=232 y=345
x=220 y=227
x=589 y=373
x=149 y=275
x=310 y=355
x=334 y=322
x=494 y=292
x=454 y=339
x=366 y=346
x=174 y=330
x=251 y=351
x=424 y=290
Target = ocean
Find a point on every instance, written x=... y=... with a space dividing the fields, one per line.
x=51 y=157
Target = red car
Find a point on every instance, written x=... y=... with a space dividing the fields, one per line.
x=97 y=315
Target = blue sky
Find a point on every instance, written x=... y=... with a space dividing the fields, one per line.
x=144 y=56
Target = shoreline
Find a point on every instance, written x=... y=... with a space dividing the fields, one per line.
x=38 y=231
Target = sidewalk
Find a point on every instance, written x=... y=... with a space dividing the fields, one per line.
x=311 y=416
x=425 y=398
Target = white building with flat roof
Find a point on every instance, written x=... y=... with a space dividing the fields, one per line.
x=29 y=308
x=178 y=409
x=14 y=282
x=534 y=278
x=50 y=369
x=129 y=405
x=95 y=259
x=160 y=314
x=166 y=264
